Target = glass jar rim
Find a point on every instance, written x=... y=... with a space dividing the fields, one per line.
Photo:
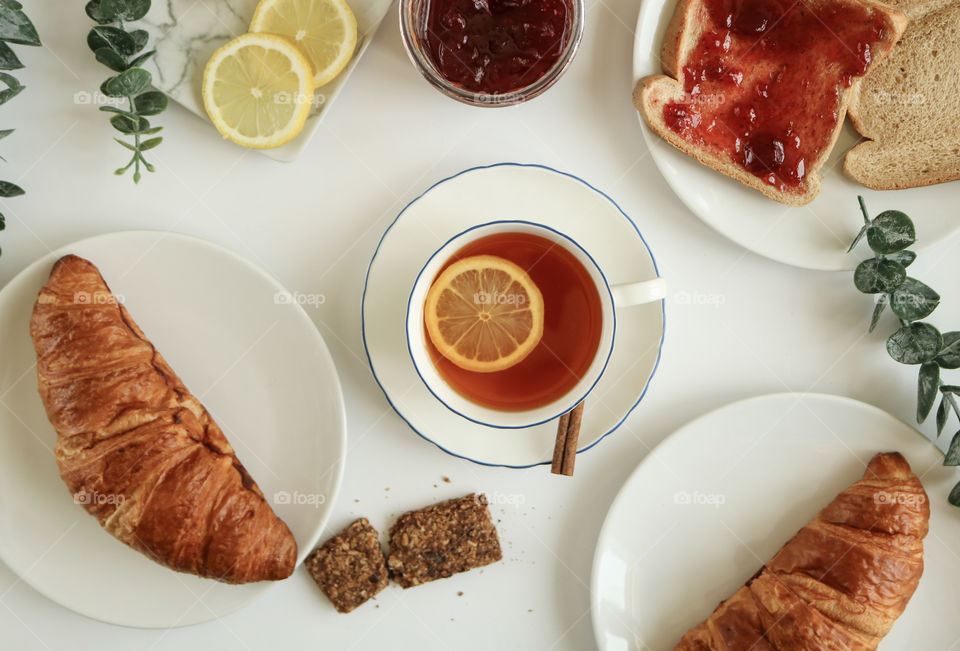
x=424 y=62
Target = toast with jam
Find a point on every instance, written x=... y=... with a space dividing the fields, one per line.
x=758 y=89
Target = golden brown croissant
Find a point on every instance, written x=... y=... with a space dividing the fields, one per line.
x=137 y=449
x=841 y=582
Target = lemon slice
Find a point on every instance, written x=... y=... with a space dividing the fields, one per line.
x=326 y=31
x=484 y=314
x=257 y=90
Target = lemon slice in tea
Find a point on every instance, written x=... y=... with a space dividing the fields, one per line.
x=484 y=314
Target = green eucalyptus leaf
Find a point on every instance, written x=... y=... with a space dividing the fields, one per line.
x=150 y=131
x=928 y=384
x=882 y=301
x=905 y=257
x=153 y=142
x=112 y=37
x=8 y=189
x=12 y=90
x=952 y=402
x=863 y=209
x=954 y=497
x=951 y=388
x=151 y=102
x=8 y=58
x=128 y=146
x=913 y=300
x=135 y=63
x=140 y=38
x=942 y=414
x=878 y=275
x=124 y=124
x=15 y=27
x=949 y=356
x=891 y=231
x=127 y=84
x=856 y=240
x=914 y=343
x=3 y=222
x=125 y=9
x=96 y=13
x=5 y=132
x=109 y=57
x=952 y=458
x=118 y=111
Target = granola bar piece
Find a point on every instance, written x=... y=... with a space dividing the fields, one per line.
x=441 y=540
x=350 y=567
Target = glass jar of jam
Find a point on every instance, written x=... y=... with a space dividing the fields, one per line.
x=491 y=52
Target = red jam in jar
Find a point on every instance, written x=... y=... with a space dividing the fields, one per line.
x=762 y=86
x=496 y=46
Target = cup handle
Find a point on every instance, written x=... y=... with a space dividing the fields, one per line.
x=645 y=291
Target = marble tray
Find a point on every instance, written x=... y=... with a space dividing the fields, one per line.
x=186 y=32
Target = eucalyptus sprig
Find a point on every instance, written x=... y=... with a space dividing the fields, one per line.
x=15 y=27
x=122 y=51
x=889 y=235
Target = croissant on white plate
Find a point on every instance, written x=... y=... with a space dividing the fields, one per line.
x=137 y=449
x=841 y=582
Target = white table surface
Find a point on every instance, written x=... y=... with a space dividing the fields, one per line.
x=737 y=325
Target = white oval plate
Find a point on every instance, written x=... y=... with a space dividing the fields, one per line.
x=504 y=192
x=722 y=494
x=815 y=236
x=255 y=360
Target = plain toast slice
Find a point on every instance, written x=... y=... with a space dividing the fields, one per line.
x=908 y=106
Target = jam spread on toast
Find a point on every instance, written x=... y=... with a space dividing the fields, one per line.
x=763 y=83
x=496 y=46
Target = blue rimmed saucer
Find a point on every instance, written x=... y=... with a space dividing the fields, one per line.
x=509 y=191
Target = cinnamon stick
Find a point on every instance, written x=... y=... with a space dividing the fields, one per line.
x=568 y=435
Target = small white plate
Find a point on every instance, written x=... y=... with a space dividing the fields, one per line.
x=815 y=236
x=504 y=192
x=253 y=357
x=186 y=33
x=719 y=497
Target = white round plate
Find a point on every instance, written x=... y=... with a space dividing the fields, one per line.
x=721 y=495
x=503 y=192
x=815 y=236
x=251 y=355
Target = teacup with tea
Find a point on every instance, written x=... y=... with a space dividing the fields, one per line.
x=511 y=323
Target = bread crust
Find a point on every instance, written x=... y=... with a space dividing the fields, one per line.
x=652 y=92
